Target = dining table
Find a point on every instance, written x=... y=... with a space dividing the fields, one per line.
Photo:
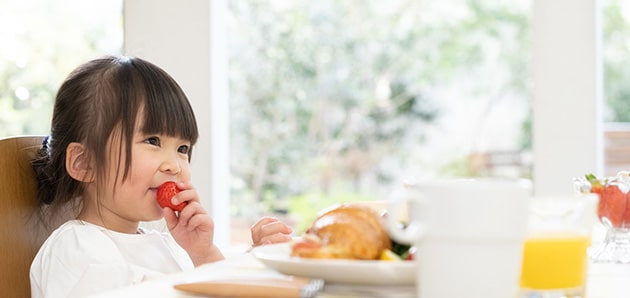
x=604 y=280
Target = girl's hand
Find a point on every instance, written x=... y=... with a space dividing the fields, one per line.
x=193 y=228
x=268 y=230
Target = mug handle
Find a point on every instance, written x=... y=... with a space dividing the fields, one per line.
x=414 y=230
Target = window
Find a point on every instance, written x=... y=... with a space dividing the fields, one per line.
x=42 y=41
x=616 y=50
x=339 y=100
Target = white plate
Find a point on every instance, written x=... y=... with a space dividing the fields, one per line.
x=277 y=257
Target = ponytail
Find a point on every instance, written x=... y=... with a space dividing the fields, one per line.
x=56 y=191
x=46 y=186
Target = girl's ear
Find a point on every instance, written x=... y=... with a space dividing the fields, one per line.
x=78 y=164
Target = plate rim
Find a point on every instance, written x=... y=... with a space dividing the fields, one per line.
x=267 y=254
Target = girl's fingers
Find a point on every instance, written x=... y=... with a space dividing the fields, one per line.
x=257 y=228
x=170 y=218
x=270 y=230
x=264 y=221
x=275 y=238
x=183 y=218
x=186 y=195
x=200 y=221
x=276 y=227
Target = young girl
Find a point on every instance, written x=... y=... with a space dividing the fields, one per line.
x=121 y=127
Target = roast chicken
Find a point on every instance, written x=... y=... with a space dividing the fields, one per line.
x=344 y=231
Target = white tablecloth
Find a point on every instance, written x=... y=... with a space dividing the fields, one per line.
x=604 y=281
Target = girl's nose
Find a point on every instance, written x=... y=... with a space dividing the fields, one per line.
x=171 y=166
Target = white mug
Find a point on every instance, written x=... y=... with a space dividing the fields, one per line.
x=468 y=233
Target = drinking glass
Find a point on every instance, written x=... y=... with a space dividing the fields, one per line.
x=613 y=212
x=555 y=250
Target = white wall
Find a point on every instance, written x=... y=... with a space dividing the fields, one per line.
x=177 y=36
x=567 y=93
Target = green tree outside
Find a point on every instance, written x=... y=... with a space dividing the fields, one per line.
x=42 y=41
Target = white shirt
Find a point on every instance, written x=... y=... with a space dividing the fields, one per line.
x=80 y=258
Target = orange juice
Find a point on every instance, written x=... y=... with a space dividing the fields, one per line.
x=554 y=261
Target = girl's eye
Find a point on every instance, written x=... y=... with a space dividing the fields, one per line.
x=183 y=149
x=153 y=141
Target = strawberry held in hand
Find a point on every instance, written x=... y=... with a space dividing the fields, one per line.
x=165 y=193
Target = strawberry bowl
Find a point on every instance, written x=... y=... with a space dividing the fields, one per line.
x=613 y=211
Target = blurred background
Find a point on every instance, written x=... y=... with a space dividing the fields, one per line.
x=336 y=100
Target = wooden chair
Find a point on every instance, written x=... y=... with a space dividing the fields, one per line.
x=21 y=234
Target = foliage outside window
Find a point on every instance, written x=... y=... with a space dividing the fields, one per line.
x=337 y=100
x=41 y=42
x=616 y=50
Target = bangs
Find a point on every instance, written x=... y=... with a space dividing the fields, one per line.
x=166 y=108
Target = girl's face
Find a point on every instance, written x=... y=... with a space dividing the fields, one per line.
x=155 y=159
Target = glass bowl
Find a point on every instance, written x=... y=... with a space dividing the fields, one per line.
x=613 y=211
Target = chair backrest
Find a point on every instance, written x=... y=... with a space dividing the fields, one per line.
x=21 y=234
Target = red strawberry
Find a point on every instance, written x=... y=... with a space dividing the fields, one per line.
x=626 y=215
x=165 y=192
x=612 y=205
x=411 y=254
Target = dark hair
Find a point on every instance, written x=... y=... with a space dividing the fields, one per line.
x=98 y=98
